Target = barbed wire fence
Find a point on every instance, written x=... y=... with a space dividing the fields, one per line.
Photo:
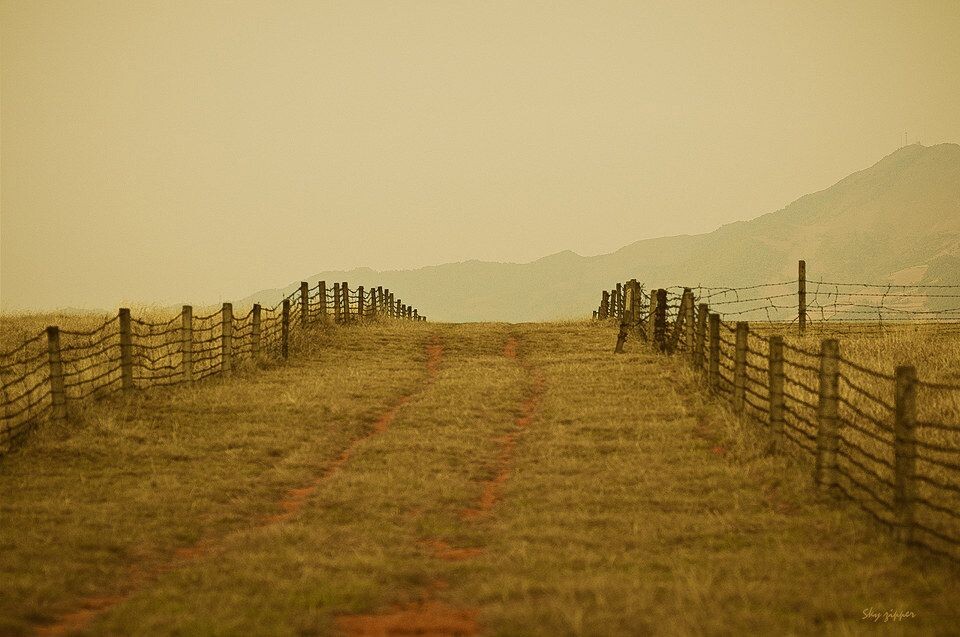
x=56 y=368
x=886 y=440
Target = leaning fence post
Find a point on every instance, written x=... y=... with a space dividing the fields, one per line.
x=802 y=297
x=904 y=451
x=360 y=293
x=740 y=365
x=651 y=320
x=698 y=357
x=660 y=321
x=304 y=303
x=829 y=422
x=255 y=333
x=713 y=368
x=58 y=391
x=775 y=377
x=285 y=329
x=186 y=343
x=322 y=301
x=126 y=350
x=226 y=339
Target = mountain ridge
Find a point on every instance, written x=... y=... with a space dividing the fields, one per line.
x=900 y=213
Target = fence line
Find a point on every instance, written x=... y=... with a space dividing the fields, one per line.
x=865 y=428
x=46 y=373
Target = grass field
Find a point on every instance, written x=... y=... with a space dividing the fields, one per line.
x=447 y=479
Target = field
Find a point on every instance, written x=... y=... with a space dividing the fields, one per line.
x=396 y=478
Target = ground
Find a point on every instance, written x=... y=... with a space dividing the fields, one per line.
x=438 y=480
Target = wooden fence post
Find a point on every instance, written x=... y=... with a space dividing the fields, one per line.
x=775 y=377
x=689 y=320
x=604 y=305
x=380 y=298
x=627 y=321
x=285 y=329
x=255 y=333
x=58 y=390
x=740 y=365
x=905 y=451
x=337 y=298
x=416 y=316
x=409 y=312
x=345 y=291
x=226 y=339
x=713 y=368
x=828 y=426
x=374 y=302
x=660 y=321
x=126 y=350
x=304 y=303
x=802 y=297
x=619 y=305
x=360 y=293
x=322 y=301
x=651 y=317
x=186 y=343
x=698 y=353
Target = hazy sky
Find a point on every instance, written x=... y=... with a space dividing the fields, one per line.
x=199 y=151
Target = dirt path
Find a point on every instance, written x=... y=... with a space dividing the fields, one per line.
x=430 y=616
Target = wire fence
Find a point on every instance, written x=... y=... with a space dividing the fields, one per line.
x=57 y=368
x=886 y=440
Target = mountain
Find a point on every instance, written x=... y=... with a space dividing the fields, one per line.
x=895 y=222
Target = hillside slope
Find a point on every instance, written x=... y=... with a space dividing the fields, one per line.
x=898 y=220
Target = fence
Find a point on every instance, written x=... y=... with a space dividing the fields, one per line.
x=886 y=440
x=58 y=367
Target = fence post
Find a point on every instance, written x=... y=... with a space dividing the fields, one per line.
x=322 y=301
x=186 y=343
x=360 y=293
x=740 y=365
x=775 y=374
x=713 y=368
x=627 y=320
x=904 y=451
x=380 y=299
x=660 y=322
x=304 y=303
x=337 y=297
x=126 y=350
x=391 y=306
x=828 y=425
x=285 y=329
x=619 y=305
x=698 y=357
x=374 y=301
x=226 y=339
x=604 y=305
x=802 y=297
x=255 y=333
x=689 y=320
x=345 y=291
x=58 y=390
x=651 y=320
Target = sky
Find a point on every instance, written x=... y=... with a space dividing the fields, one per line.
x=189 y=151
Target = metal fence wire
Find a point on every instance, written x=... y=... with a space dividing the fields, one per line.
x=56 y=368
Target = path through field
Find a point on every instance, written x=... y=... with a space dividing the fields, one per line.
x=440 y=480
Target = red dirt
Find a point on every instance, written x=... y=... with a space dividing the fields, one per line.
x=430 y=618
x=444 y=551
x=290 y=505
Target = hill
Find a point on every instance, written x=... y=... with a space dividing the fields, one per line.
x=897 y=221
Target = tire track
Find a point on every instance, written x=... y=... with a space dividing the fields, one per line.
x=431 y=616
x=293 y=502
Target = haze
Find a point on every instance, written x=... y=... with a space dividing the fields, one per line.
x=183 y=151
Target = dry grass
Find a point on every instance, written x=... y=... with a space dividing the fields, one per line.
x=632 y=504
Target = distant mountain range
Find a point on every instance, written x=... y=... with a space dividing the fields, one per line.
x=895 y=222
